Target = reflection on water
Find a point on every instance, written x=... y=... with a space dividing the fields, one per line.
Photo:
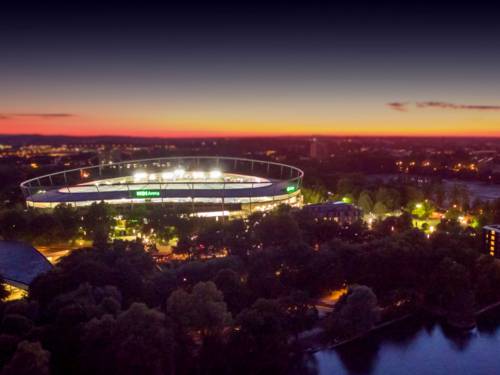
x=416 y=347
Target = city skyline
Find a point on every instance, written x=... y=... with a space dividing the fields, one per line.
x=250 y=70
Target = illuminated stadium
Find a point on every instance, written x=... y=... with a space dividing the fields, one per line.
x=217 y=186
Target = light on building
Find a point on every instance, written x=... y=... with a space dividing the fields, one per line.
x=167 y=175
x=179 y=173
x=140 y=176
x=198 y=174
x=215 y=174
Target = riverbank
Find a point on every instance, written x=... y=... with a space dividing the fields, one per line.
x=315 y=341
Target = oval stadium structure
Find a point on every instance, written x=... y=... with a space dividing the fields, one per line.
x=206 y=185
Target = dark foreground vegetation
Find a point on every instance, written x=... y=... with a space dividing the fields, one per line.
x=111 y=310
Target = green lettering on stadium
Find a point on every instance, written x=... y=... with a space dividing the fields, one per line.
x=290 y=189
x=146 y=193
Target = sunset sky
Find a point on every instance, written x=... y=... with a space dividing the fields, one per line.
x=245 y=69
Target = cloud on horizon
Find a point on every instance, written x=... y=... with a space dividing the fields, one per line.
x=9 y=116
x=399 y=106
x=407 y=106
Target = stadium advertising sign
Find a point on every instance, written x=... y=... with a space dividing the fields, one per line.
x=291 y=189
x=146 y=193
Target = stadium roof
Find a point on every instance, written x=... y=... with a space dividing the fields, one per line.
x=20 y=263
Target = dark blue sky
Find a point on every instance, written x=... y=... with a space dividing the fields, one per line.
x=161 y=61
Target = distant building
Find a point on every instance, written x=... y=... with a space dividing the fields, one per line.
x=489 y=167
x=112 y=155
x=491 y=238
x=341 y=212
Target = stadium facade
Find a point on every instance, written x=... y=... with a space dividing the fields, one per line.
x=205 y=185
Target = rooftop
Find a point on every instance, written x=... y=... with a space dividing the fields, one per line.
x=495 y=227
x=20 y=263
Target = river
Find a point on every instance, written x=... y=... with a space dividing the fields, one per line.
x=417 y=347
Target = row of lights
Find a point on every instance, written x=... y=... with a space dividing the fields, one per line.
x=176 y=174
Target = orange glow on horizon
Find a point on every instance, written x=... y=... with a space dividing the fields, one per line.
x=386 y=125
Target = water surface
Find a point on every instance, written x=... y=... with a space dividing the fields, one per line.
x=417 y=347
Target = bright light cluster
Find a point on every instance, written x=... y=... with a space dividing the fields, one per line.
x=215 y=174
x=176 y=174
x=140 y=176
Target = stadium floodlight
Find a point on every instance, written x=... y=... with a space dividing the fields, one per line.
x=179 y=172
x=198 y=174
x=140 y=176
x=167 y=175
x=152 y=177
x=215 y=174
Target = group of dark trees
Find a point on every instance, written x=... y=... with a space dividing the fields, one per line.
x=417 y=195
x=108 y=310
x=62 y=224
x=111 y=309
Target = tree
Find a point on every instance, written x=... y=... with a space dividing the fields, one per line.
x=43 y=229
x=4 y=293
x=460 y=196
x=300 y=313
x=365 y=202
x=314 y=194
x=67 y=219
x=202 y=310
x=138 y=341
x=97 y=221
x=237 y=238
x=422 y=210
x=16 y=324
x=386 y=226
x=8 y=346
x=234 y=290
x=161 y=223
x=413 y=195
x=355 y=313
x=449 y=289
x=388 y=197
x=260 y=344
x=380 y=209
x=439 y=194
x=277 y=228
x=123 y=265
x=487 y=270
x=13 y=224
x=345 y=185
x=29 y=359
